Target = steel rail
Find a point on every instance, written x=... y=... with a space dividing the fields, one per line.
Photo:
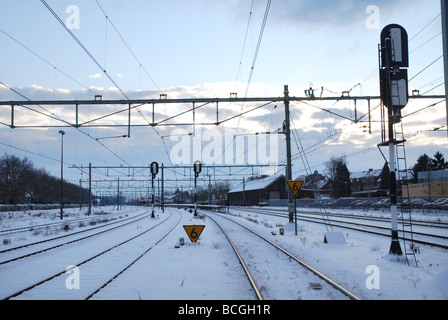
x=146 y=214
x=319 y=221
x=338 y=287
x=83 y=262
x=53 y=224
x=240 y=259
x=132 y=263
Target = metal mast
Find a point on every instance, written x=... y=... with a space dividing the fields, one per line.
x=394 y=94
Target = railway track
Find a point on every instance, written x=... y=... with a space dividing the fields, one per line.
x=358 y=226
x=118 y=257
x=127 y=267
x=305 y=281
x=73 y=235
x=416 y=222
x=61 y=223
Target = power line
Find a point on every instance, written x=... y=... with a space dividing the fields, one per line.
x=84 y=48
x=96 y=61
x=426 y=68
x=142 y=67
x=46 y=61
x=426 y=26
x=424 y=108
x=427 y=41
x=260 y=38
x=375 y=71
x=439 y=85
x=127 y=45
x=245 y=40
x=254 y=61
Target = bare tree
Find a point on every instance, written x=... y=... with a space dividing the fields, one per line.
x=337 y=172
x=20 y=182
x=15 y=177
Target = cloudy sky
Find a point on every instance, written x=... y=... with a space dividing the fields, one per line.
x=204 y=48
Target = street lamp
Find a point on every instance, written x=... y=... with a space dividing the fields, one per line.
x=62 y=172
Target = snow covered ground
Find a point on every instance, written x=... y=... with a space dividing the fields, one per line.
x=207 y=270
x=364 y=265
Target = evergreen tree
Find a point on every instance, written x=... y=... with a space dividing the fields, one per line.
x=425 y=163
x=438 y=162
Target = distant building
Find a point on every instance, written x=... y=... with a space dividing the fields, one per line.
x=431 y=185
x=315 y=186
x=258 y=190
x=432 y=176
x=366 y=183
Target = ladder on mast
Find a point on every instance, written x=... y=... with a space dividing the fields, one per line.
x=406 y=212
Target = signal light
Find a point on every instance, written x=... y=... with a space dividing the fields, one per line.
x=393 y=72
x=197 y=168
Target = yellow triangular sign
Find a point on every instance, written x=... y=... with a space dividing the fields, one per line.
x=295 y=186
x=194 y=232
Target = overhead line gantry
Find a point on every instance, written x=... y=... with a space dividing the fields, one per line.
x=196 y=104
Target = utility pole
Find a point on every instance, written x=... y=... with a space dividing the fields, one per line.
x=444 y=9
x=209 y=188
x=244 y=192
x=162 y=200
x=287 y=132
x=118 y=195
x=90 y=189
x=80 y=193
x=62 y=172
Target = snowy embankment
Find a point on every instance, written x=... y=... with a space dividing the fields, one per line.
x=363 y=265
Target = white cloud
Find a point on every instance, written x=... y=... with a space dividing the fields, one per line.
x=96 y=76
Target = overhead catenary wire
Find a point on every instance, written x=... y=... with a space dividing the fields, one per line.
x=254 y=61
x=425 y=68
x=47 y=62
x=142 y=67
x=127 y=45
x=244 y=42
x=257 y=50
x=96 y=61
x=426 y=26
x=375 y=71
x=84 y=48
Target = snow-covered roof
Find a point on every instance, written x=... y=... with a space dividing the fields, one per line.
x=402 y=175
x=256 y=184
x=377 y=173
x=365 y=174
